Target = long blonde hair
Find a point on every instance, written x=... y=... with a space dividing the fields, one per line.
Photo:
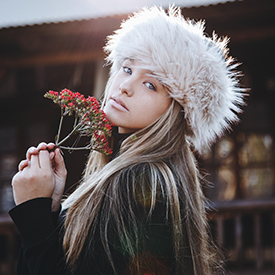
x=172 y=170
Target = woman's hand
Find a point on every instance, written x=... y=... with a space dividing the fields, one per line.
x=41 y=174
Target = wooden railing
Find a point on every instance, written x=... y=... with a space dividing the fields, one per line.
x=253 y=221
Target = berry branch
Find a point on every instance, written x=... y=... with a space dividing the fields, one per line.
x=90 y=120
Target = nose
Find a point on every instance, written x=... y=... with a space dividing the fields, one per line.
x=126 y=87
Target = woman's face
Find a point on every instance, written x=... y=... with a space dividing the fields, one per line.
x=135 y=99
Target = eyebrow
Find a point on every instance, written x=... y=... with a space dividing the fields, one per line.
x=149 y=73
x=128 y=59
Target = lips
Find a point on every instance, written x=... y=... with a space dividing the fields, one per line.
x=118 y=103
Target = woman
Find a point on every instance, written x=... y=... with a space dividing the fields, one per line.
x=171 y=92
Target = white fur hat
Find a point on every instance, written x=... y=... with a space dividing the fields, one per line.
x=193 y=67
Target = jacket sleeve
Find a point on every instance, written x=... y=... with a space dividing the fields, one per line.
x=41 y=251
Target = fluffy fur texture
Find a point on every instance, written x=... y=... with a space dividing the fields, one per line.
x=194 y=68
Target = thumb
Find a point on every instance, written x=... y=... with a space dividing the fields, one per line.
x=59 y=166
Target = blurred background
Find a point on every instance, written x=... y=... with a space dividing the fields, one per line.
x=58 y=44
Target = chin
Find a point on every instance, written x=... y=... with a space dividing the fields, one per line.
x=111 y=117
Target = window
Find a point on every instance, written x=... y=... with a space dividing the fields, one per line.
x=240 y=166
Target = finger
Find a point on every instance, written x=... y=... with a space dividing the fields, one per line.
x=42 y=146
x=22 y=164
x=32 y=150
x=35 y=150
x=50 y=146
x=52 y=155
x=34 y=163
x=58 y=157
x=44 y=159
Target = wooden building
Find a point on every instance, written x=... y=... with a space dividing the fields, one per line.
x=240 y=167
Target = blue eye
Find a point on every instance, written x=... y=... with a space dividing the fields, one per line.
x=150 y=86
x=127 y=70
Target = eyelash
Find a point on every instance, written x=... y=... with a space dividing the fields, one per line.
x=151 y=86
x=125 y=69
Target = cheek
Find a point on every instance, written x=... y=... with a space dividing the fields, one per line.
x=157 y=106
x=151 y=110
x=115 y=84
